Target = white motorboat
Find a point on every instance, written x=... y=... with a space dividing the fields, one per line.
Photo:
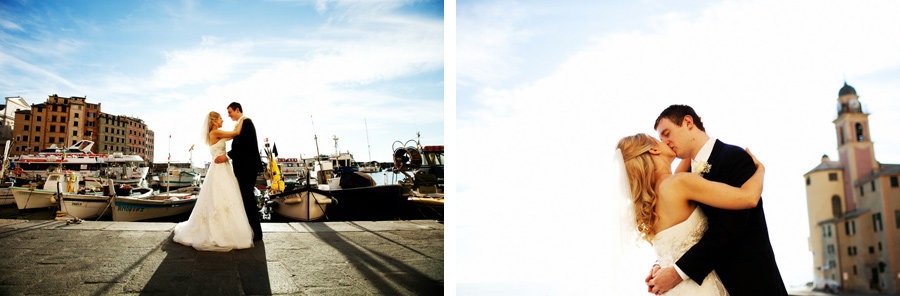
x=125 y=168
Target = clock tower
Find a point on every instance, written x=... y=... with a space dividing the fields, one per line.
x=855 y=146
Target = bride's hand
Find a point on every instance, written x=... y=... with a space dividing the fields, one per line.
x=758 y=164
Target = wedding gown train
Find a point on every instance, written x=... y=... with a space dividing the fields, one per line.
x=674 y=241
x=218 y=221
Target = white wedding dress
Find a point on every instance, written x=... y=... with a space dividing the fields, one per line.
x=673 y=242
x=218 y=221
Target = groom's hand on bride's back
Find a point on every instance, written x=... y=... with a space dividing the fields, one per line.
x=221 y=158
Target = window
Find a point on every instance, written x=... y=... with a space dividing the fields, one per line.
x=27 y=117
x=52 y=139
x=76 y=115
x=75 y=123
x=862 y=191
x=37 y=139
x=873 y=185
x=62 y=119
x=836 y=206
x=879 y=247
x=871 y=250
x=830 y=249
x=859 y=132
x=53 y=119
x=894 y=183
x=832 y=176
x=876 y=222
x=897 y=217
x=807 y=181
x=75 y=133
x=854 y=269
x=38 y=118
x=850 y=227
x=25 y=127
x=52 y=128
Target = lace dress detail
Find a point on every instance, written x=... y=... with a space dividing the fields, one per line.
x=673 y=242
x=218 y=221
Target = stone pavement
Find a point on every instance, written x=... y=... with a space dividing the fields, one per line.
x=46 y=257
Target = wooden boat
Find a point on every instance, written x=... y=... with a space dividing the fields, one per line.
x=57 y=183
x=304 y=203
x=94 y=205
x=126 y=208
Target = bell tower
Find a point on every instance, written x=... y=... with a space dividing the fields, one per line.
x=855 y=147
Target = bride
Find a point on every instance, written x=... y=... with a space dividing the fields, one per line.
x=664 y=204
x=218 y=221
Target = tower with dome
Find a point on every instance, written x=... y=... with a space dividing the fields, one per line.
x=854 y=209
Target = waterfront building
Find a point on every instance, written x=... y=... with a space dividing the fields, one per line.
x=64 y=121
x=8 y=120
x=854 y=209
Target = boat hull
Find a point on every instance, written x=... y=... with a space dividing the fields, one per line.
x=85 y=206
x=303 y=204
x=158 y=206
x=31 y=198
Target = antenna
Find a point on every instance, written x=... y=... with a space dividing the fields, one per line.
x=335 y=138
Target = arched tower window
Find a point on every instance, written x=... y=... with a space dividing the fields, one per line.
x=859 y=132
x=836 y=206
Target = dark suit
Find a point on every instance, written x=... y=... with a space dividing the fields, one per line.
x=736 y=244
x=247 y=164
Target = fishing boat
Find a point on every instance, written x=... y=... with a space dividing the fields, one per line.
x=423 y=167
x=57 y=182
x=96 y=204
x=128 y=208
x=303 y=203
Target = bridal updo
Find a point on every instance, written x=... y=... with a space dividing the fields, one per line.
x=641 y=178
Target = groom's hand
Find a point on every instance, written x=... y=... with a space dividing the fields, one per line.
x=664 y=280
x=221 y=158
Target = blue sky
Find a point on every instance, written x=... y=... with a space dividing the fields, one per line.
x=340 y=64
x=544 y=92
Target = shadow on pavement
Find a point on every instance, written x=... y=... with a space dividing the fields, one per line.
x=389 y=275
x=186 y=271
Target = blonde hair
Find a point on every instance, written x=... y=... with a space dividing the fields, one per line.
x=210 y=124
x=641 y=177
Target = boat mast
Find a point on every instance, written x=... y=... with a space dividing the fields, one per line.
x=168 y=165
x=369 y=145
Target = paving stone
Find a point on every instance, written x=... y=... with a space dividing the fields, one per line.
x=140 y=258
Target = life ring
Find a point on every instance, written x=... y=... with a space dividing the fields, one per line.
x=18 y=171
x=407 y=158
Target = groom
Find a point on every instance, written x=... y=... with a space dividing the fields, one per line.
x=246 y=163
x=736 y=244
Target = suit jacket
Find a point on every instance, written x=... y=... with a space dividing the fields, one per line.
x=736 y=244
x=244 y=152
